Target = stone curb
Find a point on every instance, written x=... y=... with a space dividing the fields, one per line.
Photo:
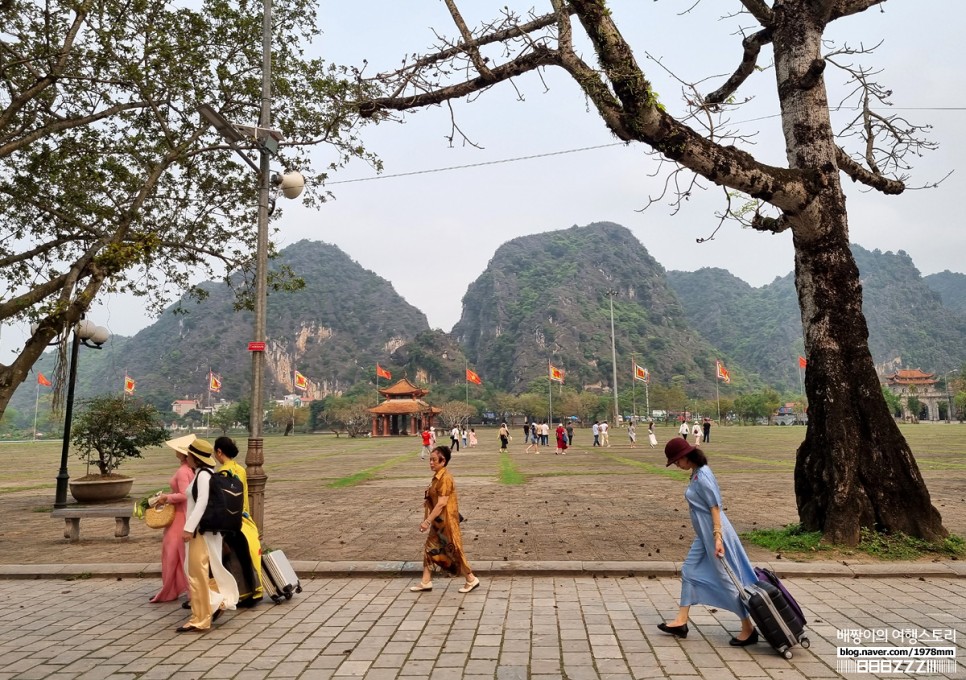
x=389 y=569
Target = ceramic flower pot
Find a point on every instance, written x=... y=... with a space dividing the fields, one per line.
x=104 y=490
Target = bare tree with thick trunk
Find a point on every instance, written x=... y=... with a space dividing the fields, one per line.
x=854 y=469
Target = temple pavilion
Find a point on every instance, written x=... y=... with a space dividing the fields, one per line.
x=905 y=378
x=403 y=412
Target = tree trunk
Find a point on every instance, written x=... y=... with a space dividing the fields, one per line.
x=854 y=468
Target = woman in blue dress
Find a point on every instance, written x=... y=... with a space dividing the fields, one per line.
x=703 y=578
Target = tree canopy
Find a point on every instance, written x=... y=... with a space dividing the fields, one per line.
x=109 y=179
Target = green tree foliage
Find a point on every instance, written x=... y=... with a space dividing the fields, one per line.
x=107 y=93
x=224 y=419
x=110 y=429
x=892 y=401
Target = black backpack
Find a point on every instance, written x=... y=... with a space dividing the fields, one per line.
x=226 y=502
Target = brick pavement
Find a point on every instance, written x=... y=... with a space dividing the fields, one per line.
x=524 y=626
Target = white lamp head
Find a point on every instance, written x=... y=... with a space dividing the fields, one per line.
x=85 y=329
x=291 y=184
x=100 y=336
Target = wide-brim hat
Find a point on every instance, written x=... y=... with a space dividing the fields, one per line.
x=202 y=450
x=180 y=444
x=676 y=449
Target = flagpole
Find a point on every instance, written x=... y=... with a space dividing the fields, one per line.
x=550 y=391
x=36 y=405
x=717 y=395
x=634 y=382
x=466 y=379
x=647 y=398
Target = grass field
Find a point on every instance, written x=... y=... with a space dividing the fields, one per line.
x=342 y=498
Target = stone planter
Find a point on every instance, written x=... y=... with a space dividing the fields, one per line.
x=101 y=490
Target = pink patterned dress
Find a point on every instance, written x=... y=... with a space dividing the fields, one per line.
x=173 y=581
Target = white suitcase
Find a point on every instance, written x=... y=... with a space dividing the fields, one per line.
x=281 y=579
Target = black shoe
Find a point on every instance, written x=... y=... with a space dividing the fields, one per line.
x=750 y=640
x=214 y=617
x=188 y=629
x=186 y=604
x=676 y=631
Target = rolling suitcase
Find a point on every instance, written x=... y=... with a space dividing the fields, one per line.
x=773 y=616
x=280 y=579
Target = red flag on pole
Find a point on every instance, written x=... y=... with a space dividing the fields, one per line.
x=42 y=379
x=129 y=384
x=301 y=382
x=722 y=372
x=473 y=377
x=383 y=373
x=642 y=374
x=556 y=374
x=214 y=383
x=801 y=362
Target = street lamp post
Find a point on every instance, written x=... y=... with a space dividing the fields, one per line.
x=90 y=335
x=290 y=184
x=949 y=399
x=613 y=353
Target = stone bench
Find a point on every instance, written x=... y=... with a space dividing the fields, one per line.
x=73 y=516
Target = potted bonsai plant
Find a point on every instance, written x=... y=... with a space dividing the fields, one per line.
x=109 y=430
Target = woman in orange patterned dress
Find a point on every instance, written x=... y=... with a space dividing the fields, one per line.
x=444 y=545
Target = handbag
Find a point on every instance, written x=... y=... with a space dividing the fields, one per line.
x=159 y=516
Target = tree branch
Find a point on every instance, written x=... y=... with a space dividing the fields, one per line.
x=759 y=10
x=844 y=8
x=472 y=50
x=540 y=56
x=752 y=45
x=850 y=167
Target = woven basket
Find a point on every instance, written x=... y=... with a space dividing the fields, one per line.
x=160 y=516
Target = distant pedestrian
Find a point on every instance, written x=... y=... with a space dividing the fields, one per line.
x=651 y=437
x=605 y=434
x=684 y=430
x=534 y=439
x=441 y=520
x=463 y=436
x=596 y=430
x=527 y=429
x=545 y=433
x=504 y=437
x=570 y=433
x=473 y=441
x=632 y=435
x=561 y=440
x=427 y=441
x=707 y=430
x=454 y=438
x=696 y=433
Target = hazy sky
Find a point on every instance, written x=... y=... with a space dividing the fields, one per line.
x=431 y=234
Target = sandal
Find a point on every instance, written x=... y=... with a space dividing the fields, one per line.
x=471 y=585
x=422 y=587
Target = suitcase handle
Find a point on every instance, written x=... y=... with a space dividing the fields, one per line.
x=734 y=579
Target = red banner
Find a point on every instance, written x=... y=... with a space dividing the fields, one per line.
x=42 y=379
x=801 y=362
x=641 y=373
x=301 y=382
x=473 y=377
x=214 y=383
x=383 y=373
x=129 y=384
x=556 y=374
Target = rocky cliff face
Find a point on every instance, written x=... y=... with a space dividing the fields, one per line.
x=544 y=298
